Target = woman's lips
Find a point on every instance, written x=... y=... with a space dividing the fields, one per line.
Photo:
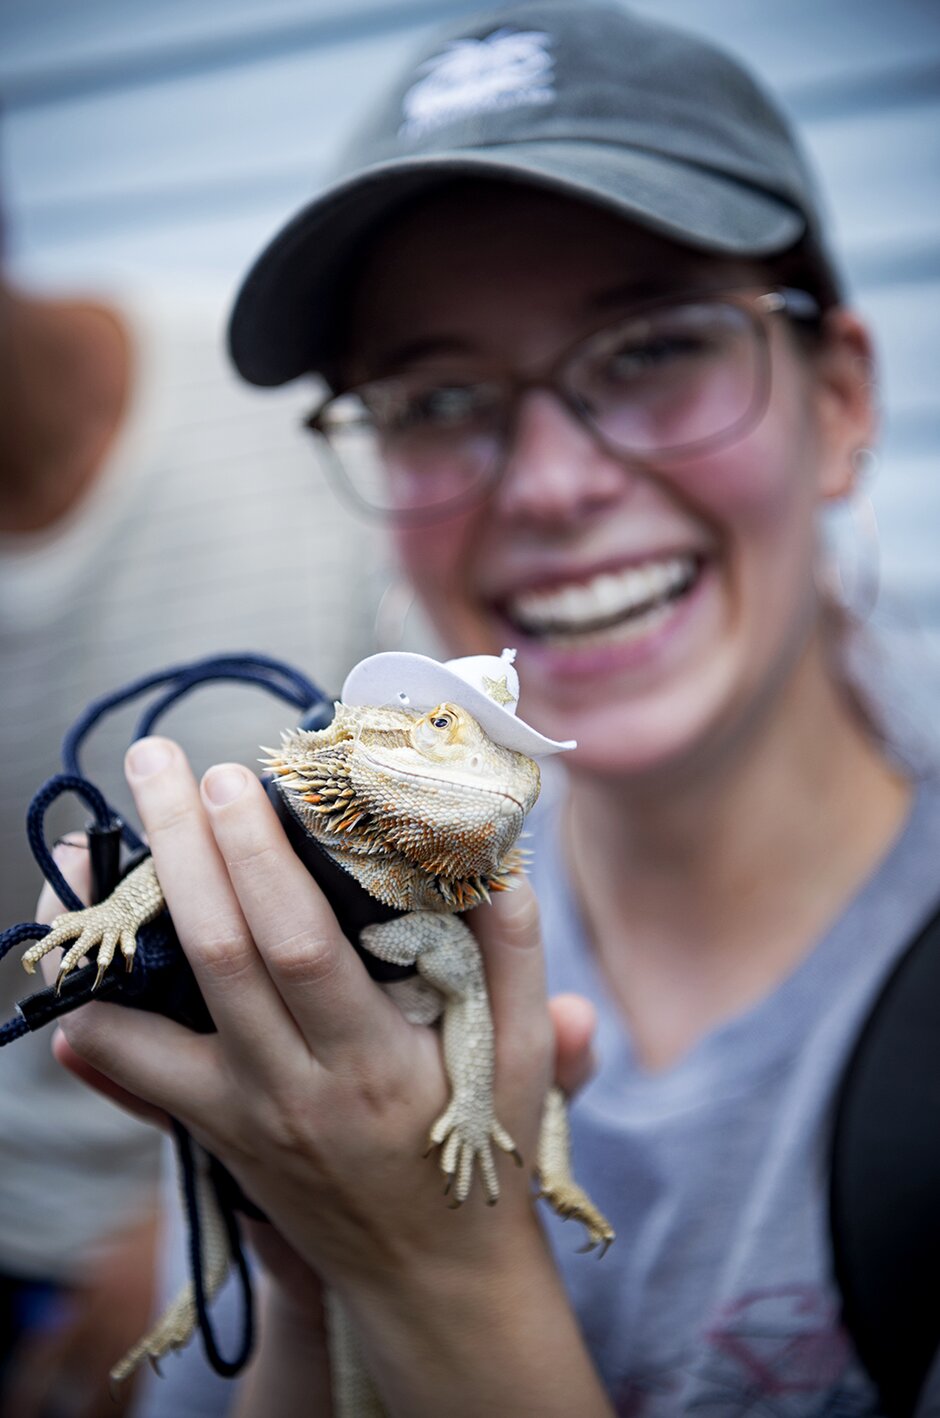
x=609 y=607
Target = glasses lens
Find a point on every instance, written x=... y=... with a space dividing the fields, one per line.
x=670 y=379
x=406 y=446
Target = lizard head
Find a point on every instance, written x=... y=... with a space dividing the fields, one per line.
x=430 y=793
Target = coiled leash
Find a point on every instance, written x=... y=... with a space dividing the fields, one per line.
x=161 y=980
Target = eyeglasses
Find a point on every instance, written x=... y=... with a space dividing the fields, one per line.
x=667 y=381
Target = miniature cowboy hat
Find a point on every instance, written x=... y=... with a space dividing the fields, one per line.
x=486 y=686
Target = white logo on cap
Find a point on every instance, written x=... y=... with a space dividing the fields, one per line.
x=507 y=69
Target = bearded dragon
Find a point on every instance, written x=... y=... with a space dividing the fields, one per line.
x=424 y=810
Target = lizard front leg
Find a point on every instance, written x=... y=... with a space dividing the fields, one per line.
x=447 y=956
x=111 y=924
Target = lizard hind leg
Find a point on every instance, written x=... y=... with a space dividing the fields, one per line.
x=178 y=1323
x=174 y=1328
x=556 y=1182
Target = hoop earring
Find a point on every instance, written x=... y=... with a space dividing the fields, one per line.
x=850 y=572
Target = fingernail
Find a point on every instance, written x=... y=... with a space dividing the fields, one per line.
x=66 y=855
x=224 y=784
x=61 y=848
x=147 y=757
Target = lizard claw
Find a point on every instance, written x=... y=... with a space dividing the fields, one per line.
x=466 y=1136
x=570 y=1202
x=601 y=1244
x=103 y=927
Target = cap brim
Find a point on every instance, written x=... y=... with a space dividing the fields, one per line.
x=383 y=678
x=282 y=322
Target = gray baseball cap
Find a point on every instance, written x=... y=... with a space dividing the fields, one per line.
x=590 y=100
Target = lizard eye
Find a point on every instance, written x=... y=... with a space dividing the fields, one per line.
x=438 y=730
x=441 y=717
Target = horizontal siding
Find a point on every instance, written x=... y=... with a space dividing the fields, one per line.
x=807 y=47
x=883 y=186
x=54 y=49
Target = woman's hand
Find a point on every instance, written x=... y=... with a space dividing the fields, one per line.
x=315 y=1091
x=318 y=1095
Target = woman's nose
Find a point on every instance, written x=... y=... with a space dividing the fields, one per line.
x=555 y=468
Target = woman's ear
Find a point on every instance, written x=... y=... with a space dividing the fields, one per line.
x=844 y=369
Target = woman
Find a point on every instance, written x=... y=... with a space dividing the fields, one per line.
x=573 y=298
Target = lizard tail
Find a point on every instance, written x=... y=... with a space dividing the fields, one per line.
x=353 y=1393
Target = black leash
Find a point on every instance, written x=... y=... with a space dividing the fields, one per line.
x=161 y=980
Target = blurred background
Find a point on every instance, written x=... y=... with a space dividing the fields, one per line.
x=161 y=144
x=147 y=152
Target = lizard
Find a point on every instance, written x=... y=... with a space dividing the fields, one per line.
x=422 y=803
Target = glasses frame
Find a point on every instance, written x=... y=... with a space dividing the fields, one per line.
x=798 y=306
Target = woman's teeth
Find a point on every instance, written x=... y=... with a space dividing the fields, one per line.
x=617 y=605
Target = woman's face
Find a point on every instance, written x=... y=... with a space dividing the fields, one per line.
x=506 y=280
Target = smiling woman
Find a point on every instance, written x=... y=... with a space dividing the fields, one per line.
x=667 y=464
x=588 y=356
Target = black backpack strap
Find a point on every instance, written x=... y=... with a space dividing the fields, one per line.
x=885 y=1179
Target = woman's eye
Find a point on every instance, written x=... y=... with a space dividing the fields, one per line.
x=443 y=407
x=634 y=360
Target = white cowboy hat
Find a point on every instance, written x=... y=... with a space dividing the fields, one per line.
x=486 y=686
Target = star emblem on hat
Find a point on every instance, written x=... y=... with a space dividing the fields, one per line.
x=498 y=690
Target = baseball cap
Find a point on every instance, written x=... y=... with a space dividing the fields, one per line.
x=589 y=100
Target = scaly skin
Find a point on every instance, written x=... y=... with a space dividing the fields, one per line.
x=424 y=811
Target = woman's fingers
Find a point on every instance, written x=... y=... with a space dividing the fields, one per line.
x=317 y=973
x=70 y=855
x=156 y=1060
x=94 y=1078
x=201 y=899
x=575 y=1020
x=510 y=938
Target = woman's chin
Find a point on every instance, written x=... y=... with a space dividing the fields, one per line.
x=660 y=734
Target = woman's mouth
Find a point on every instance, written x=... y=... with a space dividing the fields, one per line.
x=611 y=607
